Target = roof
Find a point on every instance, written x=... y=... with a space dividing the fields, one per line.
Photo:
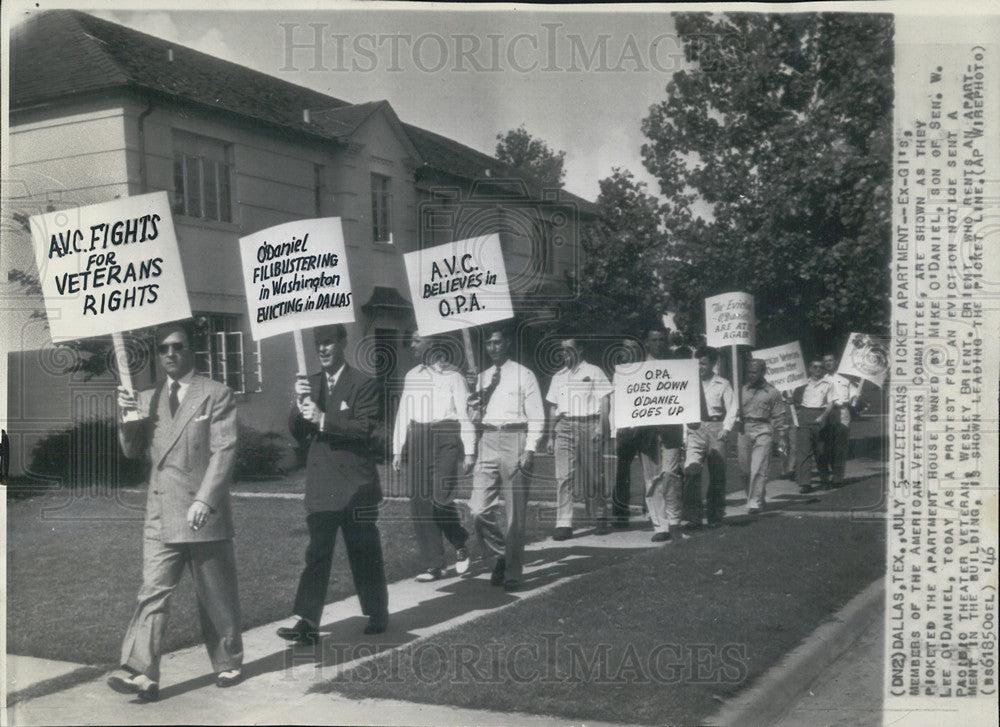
x=60 y=54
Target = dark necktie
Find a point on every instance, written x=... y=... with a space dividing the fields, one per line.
x=704 y=402
x=174 y=400
x=488 y=391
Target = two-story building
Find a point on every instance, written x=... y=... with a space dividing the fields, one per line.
x=99 y=111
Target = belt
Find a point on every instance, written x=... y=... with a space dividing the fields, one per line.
x=713 y=419
x=588 y=418
x=513 y=427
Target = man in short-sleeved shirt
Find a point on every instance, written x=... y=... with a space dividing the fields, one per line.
x=814 y=402
x=578 y=395
x=763 y=411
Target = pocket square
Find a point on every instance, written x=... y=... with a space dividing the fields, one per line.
x=344 y=406
x=202 y=418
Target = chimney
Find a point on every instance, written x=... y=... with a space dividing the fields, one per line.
x=305 y=116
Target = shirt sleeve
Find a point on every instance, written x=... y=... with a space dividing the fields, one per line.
x=728 y=401
x=460 y=397
x=553 y=396
x=533 y=409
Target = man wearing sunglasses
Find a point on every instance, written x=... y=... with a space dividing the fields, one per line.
x=187 y=426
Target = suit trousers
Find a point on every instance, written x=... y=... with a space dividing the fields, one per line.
x=811 y=441
x=213 y=568
x=837 y=434
x=627 y=444
x=497 y=471
x=661 y=470
x=433 y=460
x=754 y=448
x=364 y=553
x=704 y=448
x=578 y=467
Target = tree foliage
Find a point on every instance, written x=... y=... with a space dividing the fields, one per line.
x=531 y=156
x=618 y=290
x=781 y=125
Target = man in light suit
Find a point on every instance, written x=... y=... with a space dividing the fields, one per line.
x=335 y=414
x=187 y=425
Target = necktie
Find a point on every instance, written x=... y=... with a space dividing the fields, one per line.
x=488 y=391
x=704 y=402
x=174 y=401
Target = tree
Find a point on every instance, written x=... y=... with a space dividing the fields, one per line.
x=618 y=290
x=531 y=156
x=782 y=127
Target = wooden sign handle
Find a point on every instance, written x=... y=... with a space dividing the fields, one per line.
x=124 y=374
x=300 y=353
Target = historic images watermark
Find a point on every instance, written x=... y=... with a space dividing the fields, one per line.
x=552 y=659
x=318 y=47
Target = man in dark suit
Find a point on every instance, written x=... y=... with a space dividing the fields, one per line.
x=187 y=425
x=335 y=414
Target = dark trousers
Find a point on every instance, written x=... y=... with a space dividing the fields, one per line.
x=812 y=441
x=837 y=439
x=364 y=553
x=433 y=455
x=627 y=445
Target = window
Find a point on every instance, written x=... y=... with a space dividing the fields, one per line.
x=319 y=189
x=218 y=351
x=202 y=177
x=381 y=209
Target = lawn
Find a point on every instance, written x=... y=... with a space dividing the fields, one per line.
x=662 y=639
x=74 y=568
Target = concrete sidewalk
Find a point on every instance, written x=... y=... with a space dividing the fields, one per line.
x=279 y=678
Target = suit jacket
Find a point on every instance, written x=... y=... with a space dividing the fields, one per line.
x=192 y=454
x=340 y=467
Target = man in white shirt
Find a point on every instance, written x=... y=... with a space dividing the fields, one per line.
x=814 y=402
x=706 y=442
x=513 y=421
x=578 y=395
x=432 y=437
x=838 y=425
x=660 y=455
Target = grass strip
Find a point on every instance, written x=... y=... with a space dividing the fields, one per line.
x=659 y=639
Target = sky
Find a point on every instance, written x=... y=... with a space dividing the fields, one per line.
x=581 y=81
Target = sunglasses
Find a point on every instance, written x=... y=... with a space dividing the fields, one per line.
x=165 y=348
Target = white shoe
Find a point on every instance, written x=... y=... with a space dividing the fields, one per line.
x=462 y=561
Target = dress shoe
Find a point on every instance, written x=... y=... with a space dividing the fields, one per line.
x=661 y=537
x=462 y=561
x=431 y=574
x=496 y=578
x=229 y=678
x=125 y=682
x=377 y=624
x=301 y=633
x=562 y=534
x=511 y=584
x=753 y=510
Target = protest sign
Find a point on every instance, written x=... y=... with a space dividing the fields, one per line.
x=656 y=392
x=729 y=320
x=786 y=368
x=458 y=285
x=865 y=357
x=109 y=267
x=296 y=277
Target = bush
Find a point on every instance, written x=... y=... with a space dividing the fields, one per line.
x=86 y=454
x=260 y=454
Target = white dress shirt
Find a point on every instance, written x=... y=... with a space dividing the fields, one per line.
x=817 y=394
x=578 y=392
x=719 y=398
x=516 y=400
x=433 y=394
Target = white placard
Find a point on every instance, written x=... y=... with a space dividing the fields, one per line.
x=656 y=392
x=109 y=267
x=865 y=357
x=786 y=368
x=458 y=285
x=729 y=320
x=296 y=277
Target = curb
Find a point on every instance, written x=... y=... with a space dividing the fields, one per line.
x=776 y=691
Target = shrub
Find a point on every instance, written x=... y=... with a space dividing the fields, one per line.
x=86 y=454
x=260 y=454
